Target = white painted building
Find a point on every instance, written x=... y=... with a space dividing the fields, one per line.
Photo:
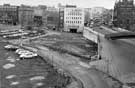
x=73 y=19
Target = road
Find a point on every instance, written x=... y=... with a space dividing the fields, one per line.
x=27 y=73
x=90 y=77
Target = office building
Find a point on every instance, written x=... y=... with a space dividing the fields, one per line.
x=9 y=14
x=73 y=19
x=25 y=15
x=124 y=14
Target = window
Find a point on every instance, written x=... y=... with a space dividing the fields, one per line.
x=61 y=17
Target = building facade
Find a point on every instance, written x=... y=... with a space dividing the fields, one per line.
x=124 y=14
x=25 y=15
x=52 y=18
x=39 y=15
x=87 y=14
x=73 y=19
x=96 y=12
x=61 y=17
x=9 y=14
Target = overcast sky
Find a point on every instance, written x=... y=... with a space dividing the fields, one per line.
x=80 y=3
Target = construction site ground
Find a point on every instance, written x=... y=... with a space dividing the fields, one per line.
x=71 y=43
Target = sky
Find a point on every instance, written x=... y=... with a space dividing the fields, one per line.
x=109 y=4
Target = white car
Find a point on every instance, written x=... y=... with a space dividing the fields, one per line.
x=12 y=47
x=4 y=36
x=23 y=52
x=18 y=50
x=28 y=55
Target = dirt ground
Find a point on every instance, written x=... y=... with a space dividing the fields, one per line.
x=27 y=73
x=74 y=44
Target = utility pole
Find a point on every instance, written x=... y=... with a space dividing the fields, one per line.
x=112 y=14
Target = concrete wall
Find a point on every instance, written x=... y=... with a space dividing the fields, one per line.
x=120 y=57
x=89 y=35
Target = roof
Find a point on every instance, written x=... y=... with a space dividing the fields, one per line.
x=120 y=35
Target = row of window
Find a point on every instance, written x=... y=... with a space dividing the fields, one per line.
x=8 y=9
x=74 y=22
x=74 y=13
x=73 y=17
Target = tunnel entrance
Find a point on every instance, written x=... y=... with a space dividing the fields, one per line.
x=73 y=30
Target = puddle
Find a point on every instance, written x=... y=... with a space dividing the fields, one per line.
x=10 y=76
x=11 y=59
x=6 y=53
x=8 y=66
x=17 y=59
x=14 y=83
x=84 y=64
x=39 y=84
x=37 y=78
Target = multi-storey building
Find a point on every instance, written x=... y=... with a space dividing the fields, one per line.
x=73 y=19
x=9 y=14
x=52 y=9
x=87 y=14
x=25 y=15
x=61 y=17
x=124 y=14
x=96 y=13
x=52 y=17
x=43 y=8
x=39 y=15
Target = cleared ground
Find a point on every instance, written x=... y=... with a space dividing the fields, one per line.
x=70 y=43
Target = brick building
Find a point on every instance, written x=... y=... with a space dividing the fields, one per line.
x=25 y=15
x=9 y=14
x=124 y=14
x=52 y=18
x=38 y=15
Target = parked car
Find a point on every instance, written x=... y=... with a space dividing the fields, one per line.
x=28 y=55
x=11 y=47
x=25 y=53
x=21 y=51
